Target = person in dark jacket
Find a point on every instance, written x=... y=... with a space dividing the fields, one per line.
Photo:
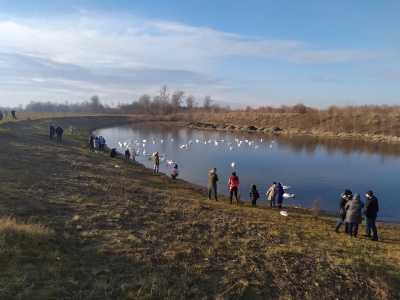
x=52 y=131
x=113 y=152
x=344 y=198
x=254 y=195
x=279 y=195
x=371 y=211
x=354 y=214
x=91 y=143
x=127 y=154
x=212 y=183
x=59 y=131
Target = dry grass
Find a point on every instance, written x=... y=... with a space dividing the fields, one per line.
x=74 y=226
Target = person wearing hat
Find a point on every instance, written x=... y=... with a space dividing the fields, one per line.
x=175 y=172
x=254 y=195
x=344 y=198
x=370 y=213
x=354 y=214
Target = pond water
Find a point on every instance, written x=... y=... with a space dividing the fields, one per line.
x=314 y=168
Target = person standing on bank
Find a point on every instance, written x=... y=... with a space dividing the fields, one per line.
x=59 y=132
x=354 y=214
x=279 y=195
x=233 y=187
x=156 y=163
x=271 y=194
x=344 y=198
x=52 y=130
x=254 y=195
x=133 y=154
x=212 y=183
x=371 y=211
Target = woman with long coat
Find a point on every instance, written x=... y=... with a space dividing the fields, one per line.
x=354 y=214
x=279 y=195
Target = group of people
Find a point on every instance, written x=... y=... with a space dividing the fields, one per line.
x=156 y=166
x=351 y=213
x=351 y=206
x=96 y=143
x=274 y=193
x=5 y=114
x=128 y=154
x=55 y=130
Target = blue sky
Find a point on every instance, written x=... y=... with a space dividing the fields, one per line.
x=253 y=52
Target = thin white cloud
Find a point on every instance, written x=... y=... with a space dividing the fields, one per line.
x=90 y=39
x=125 y=56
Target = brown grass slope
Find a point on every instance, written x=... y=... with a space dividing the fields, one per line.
x=375 y=123
x=72 y=226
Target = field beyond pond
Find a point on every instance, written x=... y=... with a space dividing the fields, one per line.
x=73 y=226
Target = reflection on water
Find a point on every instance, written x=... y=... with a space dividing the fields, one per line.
x=315 y=168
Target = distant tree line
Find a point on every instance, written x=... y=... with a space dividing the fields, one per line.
x=165 y=103
x=162 y=103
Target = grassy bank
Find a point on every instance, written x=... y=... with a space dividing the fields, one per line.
x=73 y=226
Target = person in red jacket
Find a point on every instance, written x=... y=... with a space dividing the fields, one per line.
x=233 y=187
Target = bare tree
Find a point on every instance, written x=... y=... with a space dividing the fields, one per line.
x=95 y=104
x=145 y=103
x=95 y=100
x=176 y=100
x=207 y=102
x=190 y=102
x=163 y=99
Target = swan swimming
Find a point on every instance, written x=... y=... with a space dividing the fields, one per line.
x=287 y=195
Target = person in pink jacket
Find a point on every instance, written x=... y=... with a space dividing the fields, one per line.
x=233 y=187
x=175 y=171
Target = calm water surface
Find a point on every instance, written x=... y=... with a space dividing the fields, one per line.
x=313 y=168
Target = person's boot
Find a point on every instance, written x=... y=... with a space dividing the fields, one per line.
x=336 y=229
x=374 y=238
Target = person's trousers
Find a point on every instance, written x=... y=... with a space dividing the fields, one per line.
x=370 y=225
x=215 y=193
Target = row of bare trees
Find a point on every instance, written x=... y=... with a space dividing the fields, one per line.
x=382 y=119
x=163 y=103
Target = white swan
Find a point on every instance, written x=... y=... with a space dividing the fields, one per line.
x=233 y=165
x=287 y=195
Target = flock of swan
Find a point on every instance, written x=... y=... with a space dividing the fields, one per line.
x=140 y=149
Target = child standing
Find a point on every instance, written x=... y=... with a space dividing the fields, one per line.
x=254 y=195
